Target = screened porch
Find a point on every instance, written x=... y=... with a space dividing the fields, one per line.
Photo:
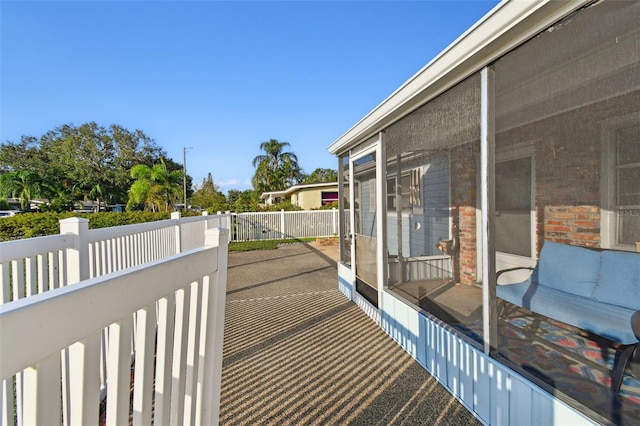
x=474 y=172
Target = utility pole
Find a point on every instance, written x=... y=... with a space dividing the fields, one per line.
x=184 y=175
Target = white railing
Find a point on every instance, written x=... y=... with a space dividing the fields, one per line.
x=39 y=266
x=285 y=224
x=192 y=228
x=46 y=265
x=35 y=265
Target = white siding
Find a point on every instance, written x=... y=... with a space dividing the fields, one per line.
x=494 y=393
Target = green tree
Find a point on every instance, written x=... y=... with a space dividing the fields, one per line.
x=97 y=193
x=82 y=158
x=155 y=187
x=91 y=156
x=209 y=197
x=25 y=155
x=321 y=175
x=61 y=196
x=247 y=201
x=232 y=196
x=21 y=184
x=276 y=169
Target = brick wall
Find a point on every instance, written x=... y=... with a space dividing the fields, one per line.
x=568 y=185
x=463 y=196
x=567 y=188
x=575 y=225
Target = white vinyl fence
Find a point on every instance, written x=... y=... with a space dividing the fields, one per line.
x=285 y=224
x=78 y=307
x=35 y=265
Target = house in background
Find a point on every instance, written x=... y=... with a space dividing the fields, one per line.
x=14 y=203
x=86 y=206
x=118 y=207
x=525 y=130
x=307 y=197
x=34 y=204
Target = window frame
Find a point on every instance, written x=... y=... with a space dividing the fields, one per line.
x=609 y=167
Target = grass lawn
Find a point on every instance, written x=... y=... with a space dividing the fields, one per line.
x=265 y=245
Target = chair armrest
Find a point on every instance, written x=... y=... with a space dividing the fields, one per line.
x=512 y=269
x=635 y=324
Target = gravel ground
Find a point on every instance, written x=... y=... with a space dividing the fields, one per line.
x=297 y=352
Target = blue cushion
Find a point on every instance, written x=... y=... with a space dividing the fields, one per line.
x=619 y=281
x=571 y=269
x=603 y=319
x=515 y=293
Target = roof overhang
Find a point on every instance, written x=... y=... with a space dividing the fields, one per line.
x=295 y=188
x=506 y=26
x=266 y=195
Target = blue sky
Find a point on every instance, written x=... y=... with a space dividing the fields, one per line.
x=218 y=77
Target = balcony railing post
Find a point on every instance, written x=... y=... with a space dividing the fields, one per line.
x=282 y=224
x=334 y=220
x=78 y=256
x=81 y=372
x=176 y=216
x=229 y=224
x=216 y=288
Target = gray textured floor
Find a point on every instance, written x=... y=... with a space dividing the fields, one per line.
x=297 y=352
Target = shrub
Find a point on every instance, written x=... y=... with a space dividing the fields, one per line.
x=29 y=225
x=330 y=206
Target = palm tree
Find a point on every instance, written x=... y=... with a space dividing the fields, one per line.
x=276 y=169
x=61 y=195
x=292 y=172
x=97 y=193
x=154 y=186
x=22 y=184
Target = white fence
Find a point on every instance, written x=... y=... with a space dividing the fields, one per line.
x=134 y=296
x=65 y=348
x=35 y=265
x=282 y=224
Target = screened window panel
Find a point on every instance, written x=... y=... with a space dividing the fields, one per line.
x=345 y=209
x=572 y=95
x=451 y=119
x=365 y=229
x=560 y=91
x=431 y=167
